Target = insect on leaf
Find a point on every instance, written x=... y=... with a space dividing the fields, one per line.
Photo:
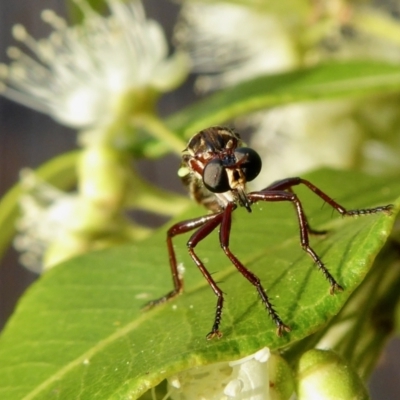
x=79 y=332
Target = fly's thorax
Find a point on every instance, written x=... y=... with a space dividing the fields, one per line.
x=211 y=141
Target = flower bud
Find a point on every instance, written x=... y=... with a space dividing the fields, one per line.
x=323 y=375
x=281 y=382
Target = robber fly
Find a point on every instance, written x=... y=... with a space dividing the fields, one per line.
x=216 y=167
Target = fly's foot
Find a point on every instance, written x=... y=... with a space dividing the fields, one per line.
x=156 y=302
x=335 y=288
x=153 y=303
x=366 y=211
x=215 y=333
x=281 y=329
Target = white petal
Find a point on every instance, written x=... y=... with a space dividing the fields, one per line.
x=229 y=43
x=78 y=73
x=171 y=72
x=245 y=378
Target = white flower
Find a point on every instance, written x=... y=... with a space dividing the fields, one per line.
x=340 y=134
x=225 y=380
x=81 y=74
x=228 y=43
x=259 y=376
x=297 y=138
x=54 y=225
x=47 y=215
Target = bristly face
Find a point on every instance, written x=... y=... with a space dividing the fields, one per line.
x=216 y=168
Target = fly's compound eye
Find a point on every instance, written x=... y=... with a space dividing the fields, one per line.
x=215 y=177
x=251 y=165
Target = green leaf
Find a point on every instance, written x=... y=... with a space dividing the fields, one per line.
x=361 y=329
x=59 y=171
x=330 y=81
x=79 y=331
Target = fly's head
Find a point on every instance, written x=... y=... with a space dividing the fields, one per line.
x=217 y=159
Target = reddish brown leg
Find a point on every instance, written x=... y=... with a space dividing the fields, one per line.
x=198 y=236
x=224 y=236
x=178 y=229
x=205 y=226
x=309 y=229
x=275 y=195
x=288 y=183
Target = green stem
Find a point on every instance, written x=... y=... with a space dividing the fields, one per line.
x=147 y=197
x=156 y=128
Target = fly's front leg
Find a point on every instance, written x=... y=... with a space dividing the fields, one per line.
x=224 y=236
x=178 y=229
x=198 y=236
x=309 y=229
x=304 y=240
x=288 y=183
